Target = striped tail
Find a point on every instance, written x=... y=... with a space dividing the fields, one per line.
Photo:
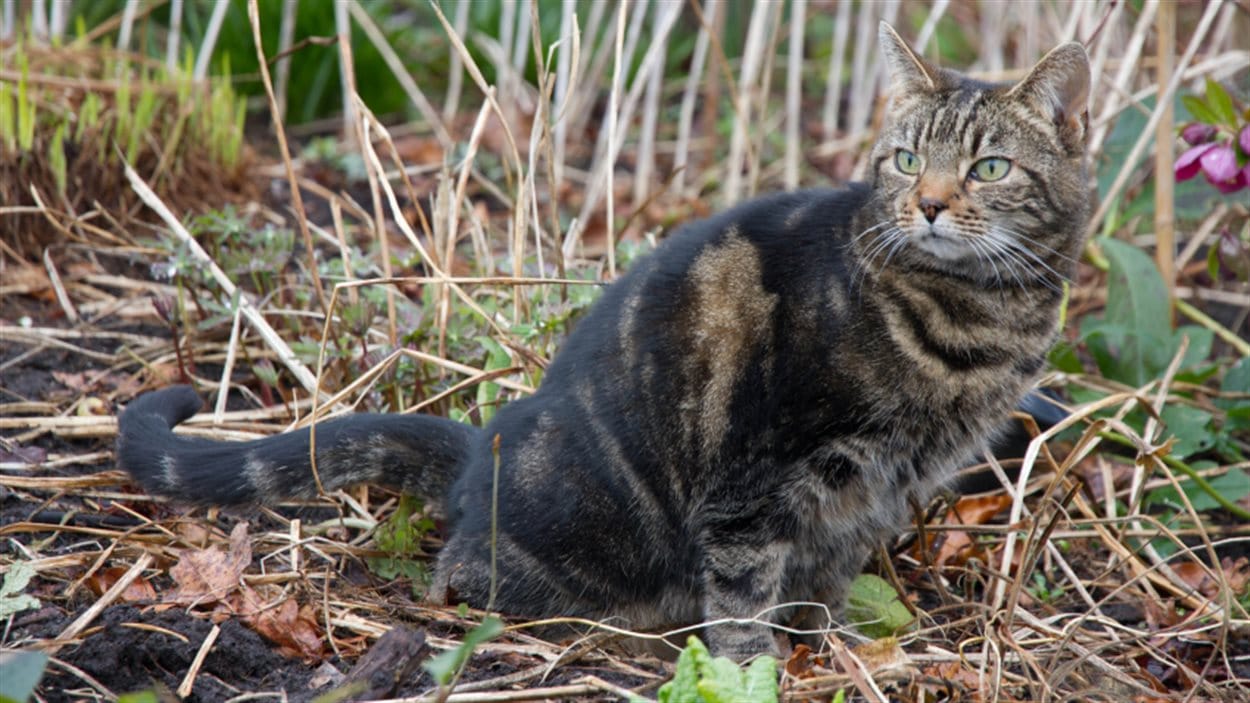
x=418 y=454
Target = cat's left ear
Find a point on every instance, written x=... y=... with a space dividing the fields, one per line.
x=907 y=70
x=1058 y=88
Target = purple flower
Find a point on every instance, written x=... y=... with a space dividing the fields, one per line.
x=1217 y=162
x=1187 y=166
x=1244 y=140
x=1219 y=165
x=1196 y=133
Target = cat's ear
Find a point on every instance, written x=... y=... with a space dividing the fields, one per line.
x=907 y=70
x=1058 y=88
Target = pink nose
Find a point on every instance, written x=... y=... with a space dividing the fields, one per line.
x=931 y=208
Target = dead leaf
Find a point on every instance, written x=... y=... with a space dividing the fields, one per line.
x=956 y=673
x=205 y=576
x=882 y=654
x=1236 y=574
x=78 y=381
x=956 y=547
x=799 y=665
x=25 y=455
x=139 y=590
x=293 y=628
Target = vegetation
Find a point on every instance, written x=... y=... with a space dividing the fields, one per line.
x=428 y=246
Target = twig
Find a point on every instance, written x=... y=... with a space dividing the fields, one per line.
x=105 y=600
x=285 y=356
x=188 y=681
x=297 y=200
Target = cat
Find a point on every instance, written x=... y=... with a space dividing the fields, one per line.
x=750 y=409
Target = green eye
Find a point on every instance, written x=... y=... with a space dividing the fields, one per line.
x=991 y=169
x=907 y=162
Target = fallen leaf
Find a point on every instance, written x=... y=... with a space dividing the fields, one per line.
x=139 y=590
x=882 y=654
x=24 y=455
x=205 y=576
x=799 y=665
x=78 y=381
x=292 y=627
x=956 y=547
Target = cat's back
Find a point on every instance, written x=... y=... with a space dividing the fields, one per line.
x=768 y=246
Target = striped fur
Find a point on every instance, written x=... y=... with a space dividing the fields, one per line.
x=750 y=409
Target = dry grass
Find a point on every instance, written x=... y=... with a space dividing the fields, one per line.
x=538 y=175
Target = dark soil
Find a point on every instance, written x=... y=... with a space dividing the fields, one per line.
x=124 y=658
x=151 y=645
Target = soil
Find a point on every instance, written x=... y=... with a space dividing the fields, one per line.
x=149 y=644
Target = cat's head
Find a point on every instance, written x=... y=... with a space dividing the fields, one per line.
x=980 y=178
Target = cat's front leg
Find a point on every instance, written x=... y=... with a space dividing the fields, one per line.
x=742 y=580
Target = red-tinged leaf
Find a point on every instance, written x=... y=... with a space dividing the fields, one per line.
x=293 y=628
x=138 y=591
x=955 y=548
x=799 y=665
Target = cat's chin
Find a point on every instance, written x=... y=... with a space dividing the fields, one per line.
x=943 y=247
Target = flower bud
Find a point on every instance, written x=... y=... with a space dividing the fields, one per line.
x=1196 y=133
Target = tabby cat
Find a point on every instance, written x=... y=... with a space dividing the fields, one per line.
x=748 y=411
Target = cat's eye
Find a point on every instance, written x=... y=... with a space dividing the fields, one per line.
x=907 y=162
x=991 y=169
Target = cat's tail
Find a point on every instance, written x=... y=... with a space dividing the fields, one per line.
x=419 y=454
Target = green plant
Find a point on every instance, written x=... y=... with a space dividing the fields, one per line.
x=1043 y=590
x=19 y=675
x=446 y=667
x=400 y=537
x=700 y=678
x=873 y=607
x=12 y=598
x=1133 y=343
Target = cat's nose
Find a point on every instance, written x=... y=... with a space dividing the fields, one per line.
x=931 y=207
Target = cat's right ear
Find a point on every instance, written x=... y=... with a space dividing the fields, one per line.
x=908 y=72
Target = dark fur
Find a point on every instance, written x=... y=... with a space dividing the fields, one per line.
x=750 y=409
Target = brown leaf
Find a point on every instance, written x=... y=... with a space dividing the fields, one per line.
x=956 y=547
x=139 y=590
x=882 y=654
x=208 y=575
x=1237 y=573
x=292 y=627
x=799 y=665
x=956 y=673
x=78 y=381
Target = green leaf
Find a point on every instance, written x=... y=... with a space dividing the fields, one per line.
x=1236 y=380
x=873 y=607
x=1063 y=358
x=445 y=666
x=1221 y=104
x=139 y=697
x=20 y=672
x=1233 y=485
x=1200 y=341
x=1199 y=109
x=720 y=681
x=699 y=678
x=761 y=680
x=1191 y=427
x=12 y=599
x=1213 y=263
x=683 y=688
x=1137 y=306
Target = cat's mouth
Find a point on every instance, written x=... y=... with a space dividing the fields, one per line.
x=943 y=245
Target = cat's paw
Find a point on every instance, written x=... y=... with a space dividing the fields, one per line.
x=742 y=642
